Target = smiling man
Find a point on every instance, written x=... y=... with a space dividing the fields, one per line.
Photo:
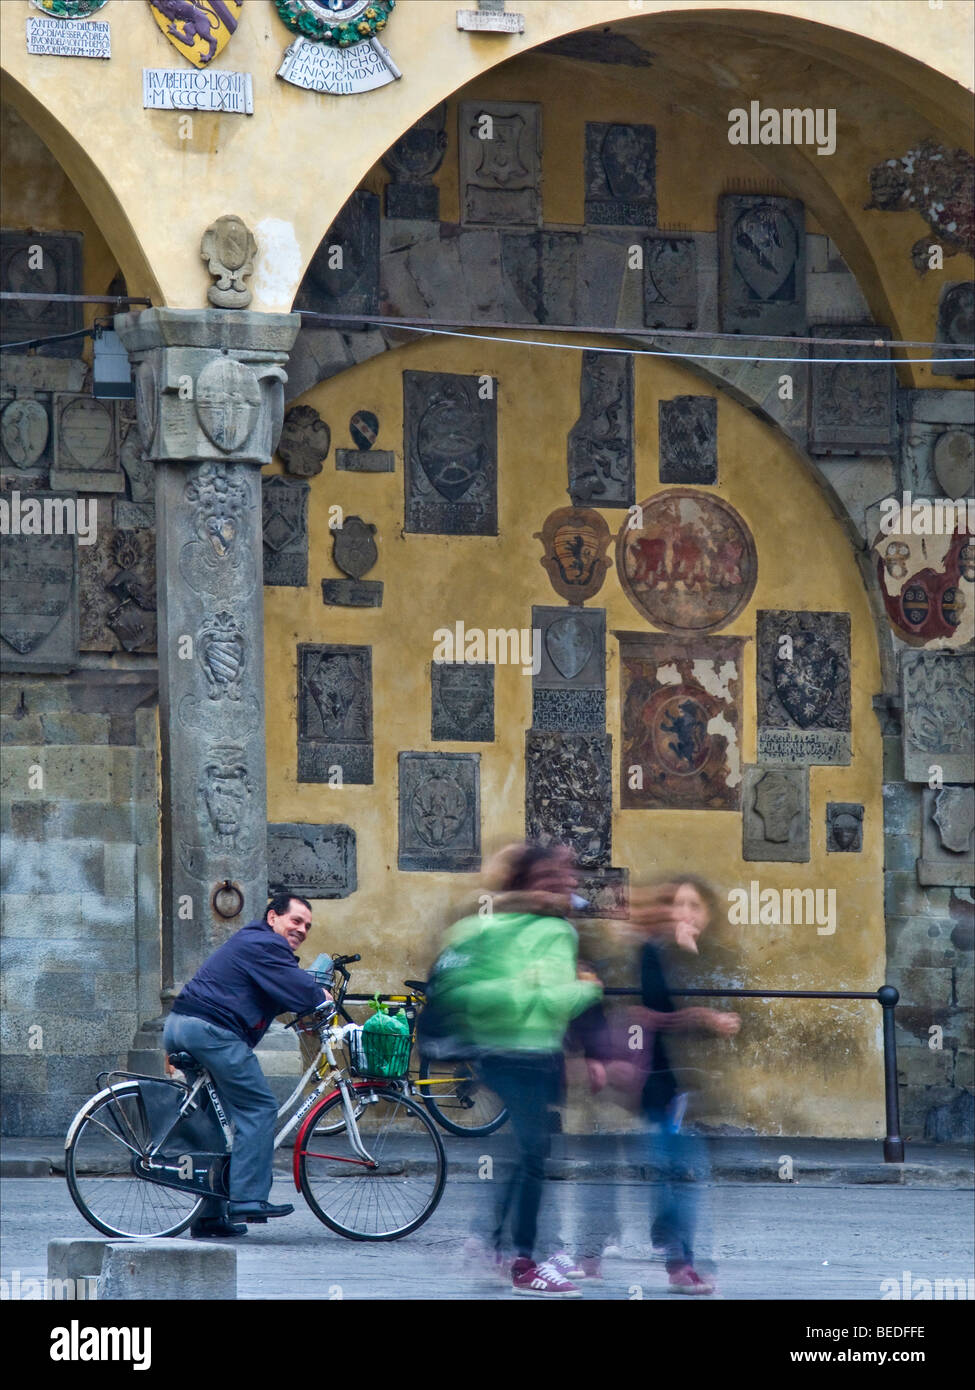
x=219 y=1017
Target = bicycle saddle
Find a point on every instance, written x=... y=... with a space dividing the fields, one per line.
x=420 y=985
x=184 y=1061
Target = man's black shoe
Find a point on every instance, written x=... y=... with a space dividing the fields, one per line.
x=209 y=1226
x=258 y=1211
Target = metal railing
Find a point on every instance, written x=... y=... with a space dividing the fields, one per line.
x=886 y=996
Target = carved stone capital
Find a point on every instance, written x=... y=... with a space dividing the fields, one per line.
x=209 y=383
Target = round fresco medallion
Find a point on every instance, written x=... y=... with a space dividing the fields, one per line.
x=690 y=565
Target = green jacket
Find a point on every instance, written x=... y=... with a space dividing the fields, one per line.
x=509 y=981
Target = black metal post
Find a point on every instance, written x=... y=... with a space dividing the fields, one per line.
x=893 y=1144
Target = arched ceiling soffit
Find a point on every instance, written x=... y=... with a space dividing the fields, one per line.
x=922 y=65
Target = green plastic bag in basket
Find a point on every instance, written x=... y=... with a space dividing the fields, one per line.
x=386 y=1043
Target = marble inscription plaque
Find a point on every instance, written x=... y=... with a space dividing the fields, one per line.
x=500 y=148
x=462 y=701
x=844 y=827
x=61 y=39
x=688 y=433
x=450 y=446
x=175 y=89
x=601 y=468
x=761 y=264
x=569 y=793
x=569 y=711
x=775 y=814
x=318 y=67
x=938 y=693
x=681 y=713
x=439 y=812
x=317 y=861
x=285 y=518
x=852 y=404
x=803 y=687
x=334 y=714
x=621 y=186
x=690 y=565
x=670 y=282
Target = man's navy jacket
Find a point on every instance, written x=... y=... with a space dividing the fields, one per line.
x=248 y=981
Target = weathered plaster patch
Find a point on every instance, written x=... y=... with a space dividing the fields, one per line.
x=278 y=271
x=715 y=682
x=720 y=725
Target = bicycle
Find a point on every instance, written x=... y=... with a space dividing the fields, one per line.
x=449 y=1088
x=144 y=1153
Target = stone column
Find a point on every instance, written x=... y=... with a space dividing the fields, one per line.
x=210 y=398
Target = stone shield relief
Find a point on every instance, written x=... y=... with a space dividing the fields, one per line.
x=439 y=812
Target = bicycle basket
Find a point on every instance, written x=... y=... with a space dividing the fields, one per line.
x=378 y=1054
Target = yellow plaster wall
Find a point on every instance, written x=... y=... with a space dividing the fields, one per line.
x=775 y=1070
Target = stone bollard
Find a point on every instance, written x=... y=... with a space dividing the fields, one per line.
x=184 y=1269
x=73 y=1267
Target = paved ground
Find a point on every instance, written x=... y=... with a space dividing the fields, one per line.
x=770 y=1241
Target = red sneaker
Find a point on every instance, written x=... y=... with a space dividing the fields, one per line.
x=568 y=1267
x=540 y=1281
x=687 y=1280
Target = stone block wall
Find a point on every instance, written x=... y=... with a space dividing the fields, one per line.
x=931 y=961
x=80 y=875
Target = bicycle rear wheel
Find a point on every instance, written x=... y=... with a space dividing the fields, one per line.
x=389 y=1200
x=458 y=1100
x=103 y=1139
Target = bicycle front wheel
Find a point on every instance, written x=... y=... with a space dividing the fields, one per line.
x=458 y=1101
x=380 y=1202
x=104 y=1138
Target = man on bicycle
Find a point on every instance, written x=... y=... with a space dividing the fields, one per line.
x=219 y=1017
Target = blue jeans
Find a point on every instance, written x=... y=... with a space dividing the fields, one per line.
x=684 y=1166
x=246 y=1096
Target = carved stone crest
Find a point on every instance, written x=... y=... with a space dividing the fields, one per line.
x=317 y=861
x=621 y=175
x=574 y=540
x=304 y=443
x=57 y=271
x=343 y=276
x=221 y=649
x=601 y=440
x=85 y=445
x=38 y=589
x=775 y=814
x=681 y=712
x=938 y=694
x=117 y=591
x=670 y=282
x=691 y=565
x=450 y=446
x=285 y=508
x=229 y=248
x=761 y=264
x=803 y=687
x=354 y=552
x=413 y=160
x=956 y=326
x=947 y=837
x=569 y=794
x=851 y=405
x=500 y=162
x=688 y=433
x=216 y=564
x=569 y=687
x=334 y=714
x=844 y=827
x=462 y=701
x=439 y=812
x=228 y=402
x=224 y=791
x=364 y=429
x=24 y=431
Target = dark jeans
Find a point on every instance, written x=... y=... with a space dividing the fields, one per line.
x=529 y=1083
x=245 y=1093
x=684 y=1167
